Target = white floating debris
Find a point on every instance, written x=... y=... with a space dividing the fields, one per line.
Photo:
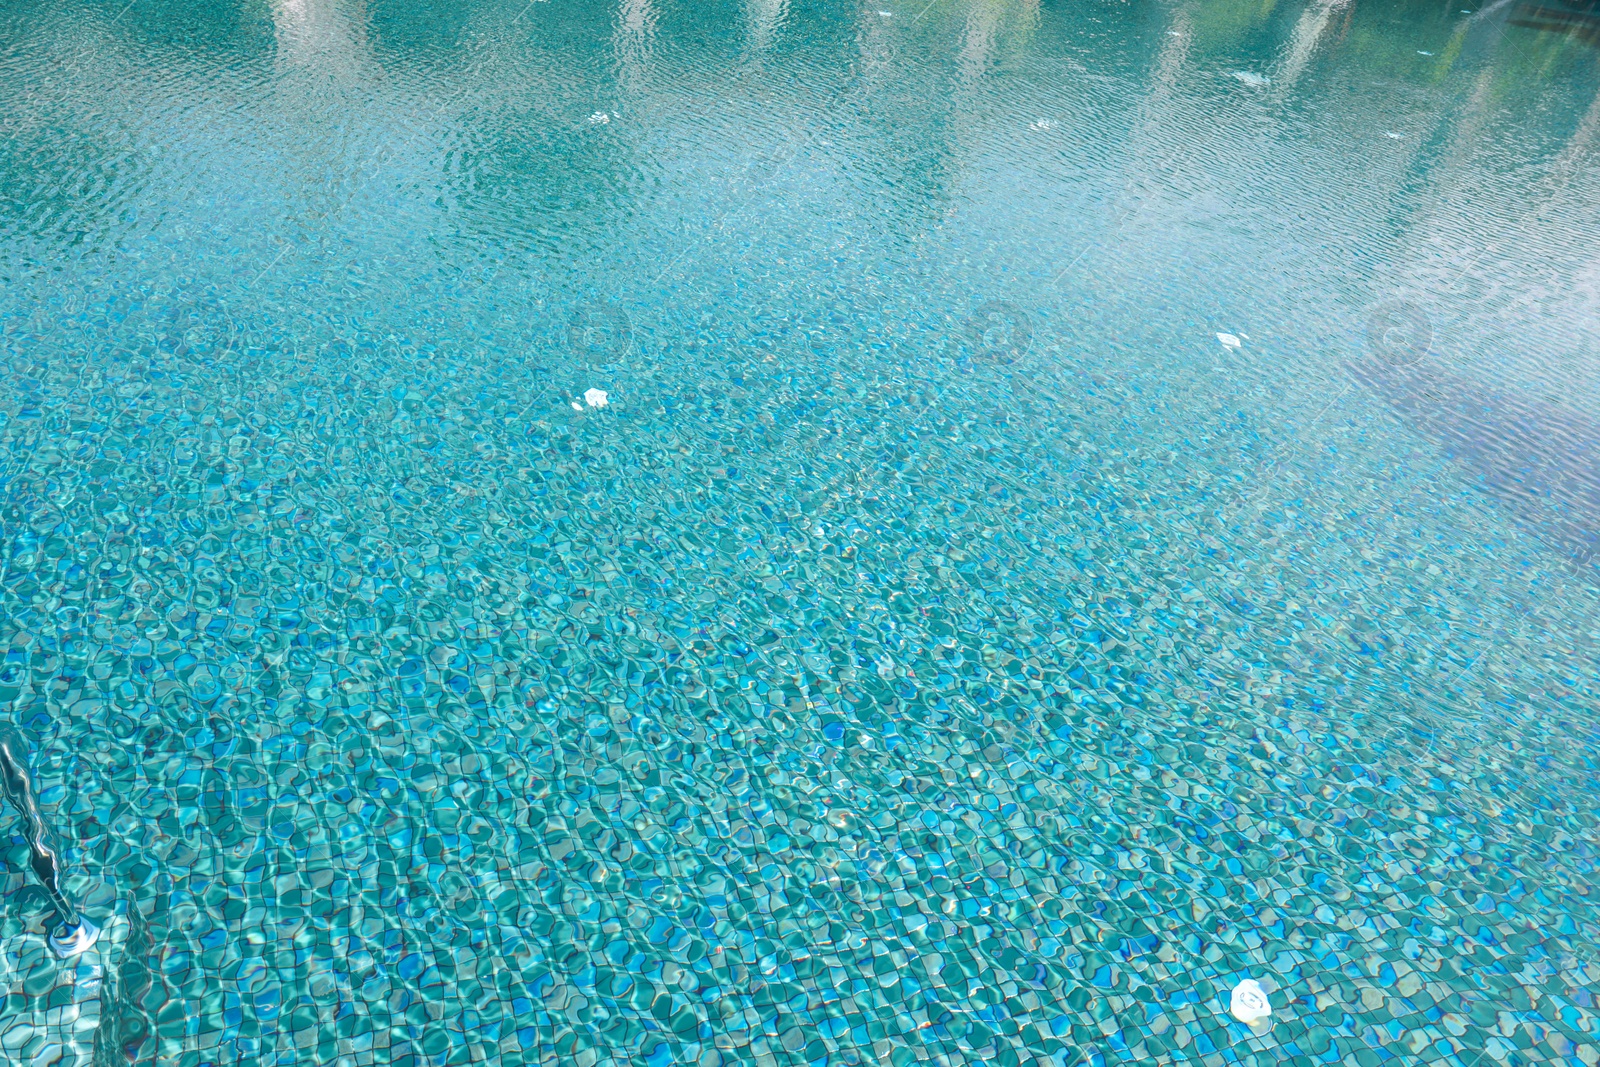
x=1420 y=52
x=576 y=406
x=1040 y=124
x=887 y=14
x=1391 y=135
x=599 y=118
x=1229 y=340
x=1252 y=79
x=1249 y=1002
x=596 y=398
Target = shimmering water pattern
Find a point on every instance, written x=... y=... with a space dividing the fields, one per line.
x=952 y=532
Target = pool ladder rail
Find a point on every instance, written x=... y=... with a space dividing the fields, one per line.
x=73 y=933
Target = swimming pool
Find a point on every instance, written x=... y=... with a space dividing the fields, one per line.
x=782 y=533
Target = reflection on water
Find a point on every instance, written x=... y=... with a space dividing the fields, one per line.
x=799 y=532
x=766 y=17
x=1541 y=460
x=1317 y=20
x=636 y=23
x=1580 y=19
x=323 y=34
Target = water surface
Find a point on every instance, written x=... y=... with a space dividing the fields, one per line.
x=1092 y=502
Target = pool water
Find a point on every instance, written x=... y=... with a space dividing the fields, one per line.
x=940 y=531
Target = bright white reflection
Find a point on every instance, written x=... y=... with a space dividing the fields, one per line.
x=765 y=17
x=317 y=33
x=977 y=42
x=986 y=22
x=637 y=19
x=1308 y=31
x=632 y=42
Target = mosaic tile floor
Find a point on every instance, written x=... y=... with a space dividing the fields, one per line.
x=763 y=533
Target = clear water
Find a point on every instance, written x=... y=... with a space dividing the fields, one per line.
x=1094 y=502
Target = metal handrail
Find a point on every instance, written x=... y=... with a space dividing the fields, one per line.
x=74 y=933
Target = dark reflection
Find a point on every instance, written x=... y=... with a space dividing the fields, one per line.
x=1539 y=459
x=525 y=173
x=1580 y=19
x=185 y=33
x=418 y=32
